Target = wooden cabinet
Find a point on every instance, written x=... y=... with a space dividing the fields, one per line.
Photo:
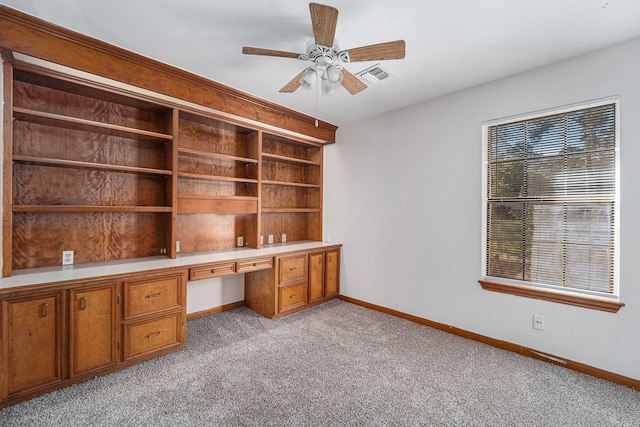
x=93 y=323
x=32 y=343
x=299 y=281
x=332 y=273
x=154 y=314
x=41 y=351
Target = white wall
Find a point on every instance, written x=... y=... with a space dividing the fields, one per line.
x=403 y=194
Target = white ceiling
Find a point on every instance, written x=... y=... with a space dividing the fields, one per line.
x=450 y=44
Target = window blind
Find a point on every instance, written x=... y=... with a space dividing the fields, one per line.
x=551 y=200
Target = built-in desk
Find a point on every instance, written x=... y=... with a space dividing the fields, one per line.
x=64 y=325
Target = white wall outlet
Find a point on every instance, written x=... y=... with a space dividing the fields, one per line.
x=240 y=241
x=177 y=245
x=261 y=240
x=67 y=257
x=538 y=322
x=284 y=238
x=270 y=239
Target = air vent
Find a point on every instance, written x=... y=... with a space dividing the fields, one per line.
x=373 y=74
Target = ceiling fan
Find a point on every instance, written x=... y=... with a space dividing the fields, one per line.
x=327 y=57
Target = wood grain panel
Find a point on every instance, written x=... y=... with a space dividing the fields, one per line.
x=291 y=148
x=97 y=105
x=47 y=185
x=297 y=226
x=93 y=318
x=289 y=172
x=276 y=196
x=40 y=238
x=189 y=186
x=206 y=232
x=210 y=135
x=217 y=167
x=38 y=140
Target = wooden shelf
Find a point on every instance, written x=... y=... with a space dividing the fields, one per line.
x=290 y=210
x=87 y=165
x=224 y=205
x=287 y=159
x=290 y=184
x=216 y=178
x=67 y=122
x=210 y=155
x=88 y=208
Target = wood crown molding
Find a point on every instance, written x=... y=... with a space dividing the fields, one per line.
x=31 y=36
x=564 y=297
x=505 y=345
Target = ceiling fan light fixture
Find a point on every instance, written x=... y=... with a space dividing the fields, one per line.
x=328 y=87
x=333 y=73
x=308 y=78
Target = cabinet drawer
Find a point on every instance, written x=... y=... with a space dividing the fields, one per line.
x=151 y=296
x=213 y=270
x=254 y=265
x=145 y=337
x=292 y=296
x=293 y=269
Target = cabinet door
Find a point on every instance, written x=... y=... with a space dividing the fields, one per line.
x=332 y=273
x=32 y=332
x=316 y=276
x=93 y=328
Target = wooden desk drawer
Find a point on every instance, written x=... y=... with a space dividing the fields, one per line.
x=213 y=270
x=293 y=269
x=151 y=296
x=254 y=265
x=146 y=337
x=292 y=296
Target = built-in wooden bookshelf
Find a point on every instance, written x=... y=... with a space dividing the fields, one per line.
x=112 y=174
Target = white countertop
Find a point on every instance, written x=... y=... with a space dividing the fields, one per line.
x=35 y=276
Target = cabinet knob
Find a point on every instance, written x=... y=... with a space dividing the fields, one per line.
x=44 y=310
x=255 y=263
x=213 y=270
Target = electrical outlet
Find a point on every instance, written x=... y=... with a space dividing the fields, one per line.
x=261 y=240
x=177 y=245
x=538 y=322
x=270 y=239
x=67 y=257
x=240 y=241
x=284 y=238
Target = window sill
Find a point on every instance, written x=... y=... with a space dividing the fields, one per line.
x=563 y=297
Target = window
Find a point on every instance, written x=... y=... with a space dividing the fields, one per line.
x=552 y=205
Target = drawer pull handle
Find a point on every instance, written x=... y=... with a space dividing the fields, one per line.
x=153 y=296
x=157 y=334
x=293 y=296
x=293 y=268
x=83 y=303
x=213 y=270
x=255 y=264
x=44 y=310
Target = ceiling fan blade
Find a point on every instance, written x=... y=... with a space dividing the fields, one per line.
x=269 y=52
x=352 y=83
x=377 y=52
x=324 y=20
x=294 y=84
